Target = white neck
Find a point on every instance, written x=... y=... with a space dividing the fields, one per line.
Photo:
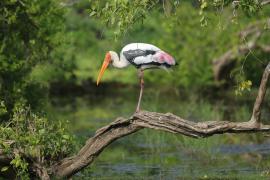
x=118 y=63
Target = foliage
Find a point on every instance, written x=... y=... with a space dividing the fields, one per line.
x=30 y=31
x=77 y=58
x=244 y=85
x=121 y=13
x=193 y=46
x=34 y=139
x=179 y=33
x=249 y=7
x=124 y=14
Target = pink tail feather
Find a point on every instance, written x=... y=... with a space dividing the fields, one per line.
x=164 y=57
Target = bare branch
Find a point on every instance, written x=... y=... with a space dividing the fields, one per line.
x=261 y=93
x=223 y=64
x=164 y=122
x=168 y=122
x=94 y=146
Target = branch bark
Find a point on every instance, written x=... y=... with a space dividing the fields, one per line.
x=261 y=93
x=144 y=119
x=165 y=122
x=168 y=122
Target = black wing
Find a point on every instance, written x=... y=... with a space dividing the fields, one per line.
x=130 y=55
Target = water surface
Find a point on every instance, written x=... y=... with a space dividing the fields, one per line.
x=150 y=154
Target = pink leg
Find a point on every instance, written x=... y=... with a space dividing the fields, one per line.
x=140 y=73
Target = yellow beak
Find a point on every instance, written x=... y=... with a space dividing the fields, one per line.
x=105 y=64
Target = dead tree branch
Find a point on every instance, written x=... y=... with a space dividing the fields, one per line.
x=261 y=93
x=144 y=119
x=168 y=122
x=223 y=64
x=165 y=122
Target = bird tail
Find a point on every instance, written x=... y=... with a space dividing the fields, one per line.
x=166 y=69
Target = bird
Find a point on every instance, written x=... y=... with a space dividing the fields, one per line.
x=142 y=56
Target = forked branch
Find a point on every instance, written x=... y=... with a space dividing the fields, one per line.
x=165 y=122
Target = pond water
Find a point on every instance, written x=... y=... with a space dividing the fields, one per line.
x=150 y=154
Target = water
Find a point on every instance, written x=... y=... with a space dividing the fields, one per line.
x=150 y=154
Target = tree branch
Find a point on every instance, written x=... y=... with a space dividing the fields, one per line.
x=223 y=64
x=165 y=122
x=261 y=93
x=168 y=122
x=94 y=146
x=144 y=119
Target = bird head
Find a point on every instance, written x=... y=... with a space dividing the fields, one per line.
x=106 y=62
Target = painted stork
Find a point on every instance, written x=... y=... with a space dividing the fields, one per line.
x=142 y=56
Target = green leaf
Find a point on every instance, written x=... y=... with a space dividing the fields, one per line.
x=93 y=13
x=65 y=136
x=5 y=168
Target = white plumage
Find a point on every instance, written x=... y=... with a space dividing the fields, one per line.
x=142 y=56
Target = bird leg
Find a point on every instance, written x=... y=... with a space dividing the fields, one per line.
x=140 y=73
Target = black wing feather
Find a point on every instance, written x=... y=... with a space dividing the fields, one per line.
x=130 y=55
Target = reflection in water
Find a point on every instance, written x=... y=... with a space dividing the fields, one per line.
x=250 y=148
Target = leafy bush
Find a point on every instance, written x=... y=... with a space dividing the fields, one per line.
x=31 y=137
x=30 y=34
